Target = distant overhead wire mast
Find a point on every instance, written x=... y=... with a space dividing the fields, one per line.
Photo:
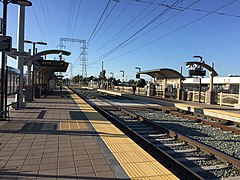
x=83 y=53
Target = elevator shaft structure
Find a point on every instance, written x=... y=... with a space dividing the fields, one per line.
x=83 y=53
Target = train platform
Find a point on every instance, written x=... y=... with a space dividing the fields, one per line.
x=60 y=136
x=223 y=112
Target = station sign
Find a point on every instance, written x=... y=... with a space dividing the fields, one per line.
x=49 y=63
x=5 y=43
x=197 y=72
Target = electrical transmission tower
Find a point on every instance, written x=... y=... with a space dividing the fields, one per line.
x=83 y=53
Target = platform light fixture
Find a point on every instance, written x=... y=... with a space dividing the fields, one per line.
x=200 y=57
x=122 y=78
x=21 y=2
x=122 y=74
x=139 y=69
x=200 y=79
x=34 y=52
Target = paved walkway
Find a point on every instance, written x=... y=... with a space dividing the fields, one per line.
x=41 y=143
x=62 y=137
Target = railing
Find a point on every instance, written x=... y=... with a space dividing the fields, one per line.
x=194 y=96
x=222 y=98
x=227 y=99
x=130 y=89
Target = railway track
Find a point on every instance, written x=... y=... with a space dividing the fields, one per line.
x=184 y=155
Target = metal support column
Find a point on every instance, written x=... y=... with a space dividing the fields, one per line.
x=4 y=62
x=20 y=47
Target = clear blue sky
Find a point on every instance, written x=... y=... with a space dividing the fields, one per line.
x=175 y=36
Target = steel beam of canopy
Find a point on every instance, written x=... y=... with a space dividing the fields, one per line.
x=209 y=68
x=47 y=52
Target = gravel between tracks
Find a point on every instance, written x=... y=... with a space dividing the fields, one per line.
x=214 y=137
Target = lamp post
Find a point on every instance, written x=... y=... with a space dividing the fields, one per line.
x=200 y=79
x=4 y=58
x=123 y=79
x=139 y=69
x=33 y=52
x=138 y=76
x=33 y=63
x=112 y=79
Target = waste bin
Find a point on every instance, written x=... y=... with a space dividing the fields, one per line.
x=28 y=93
x=37 y=92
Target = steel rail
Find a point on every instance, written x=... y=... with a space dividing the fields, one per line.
x=209 y=150
x=181 y=169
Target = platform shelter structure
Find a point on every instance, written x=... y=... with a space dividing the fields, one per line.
x=166 y=82
x=42 y=71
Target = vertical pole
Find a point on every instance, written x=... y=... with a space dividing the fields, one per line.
x=220 y=99
x=29 y=65
x=200 y=89
x=4 y=61
x=33 y=72
x=6 y=91
x=211 y=98
x=239 y=94
x=20 y=46
x=102 y=76
x=211 y=79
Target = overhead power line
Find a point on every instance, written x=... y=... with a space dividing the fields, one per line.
x=104 y=23
x=45 y=19
x=122 y=31
x=140 y=30
x=192 y=9
x=72 y=12
x=49 y=19
x=95 y=28
x=147 y=32
x=176 y=30
x=40 y=27
x=85 y=17
x=79 y=7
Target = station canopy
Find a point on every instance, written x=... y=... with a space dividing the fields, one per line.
x=163 y=73
x=48 y=67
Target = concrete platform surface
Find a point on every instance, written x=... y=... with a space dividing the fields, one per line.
x=62 y=137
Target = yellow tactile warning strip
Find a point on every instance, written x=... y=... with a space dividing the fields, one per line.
x=136 y=162
x=72 y=125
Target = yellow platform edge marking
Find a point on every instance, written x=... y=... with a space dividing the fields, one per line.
x=136 y=162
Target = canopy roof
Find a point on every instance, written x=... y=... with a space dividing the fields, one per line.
x=163 y=73
x=209 y=68
x=49 y=70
